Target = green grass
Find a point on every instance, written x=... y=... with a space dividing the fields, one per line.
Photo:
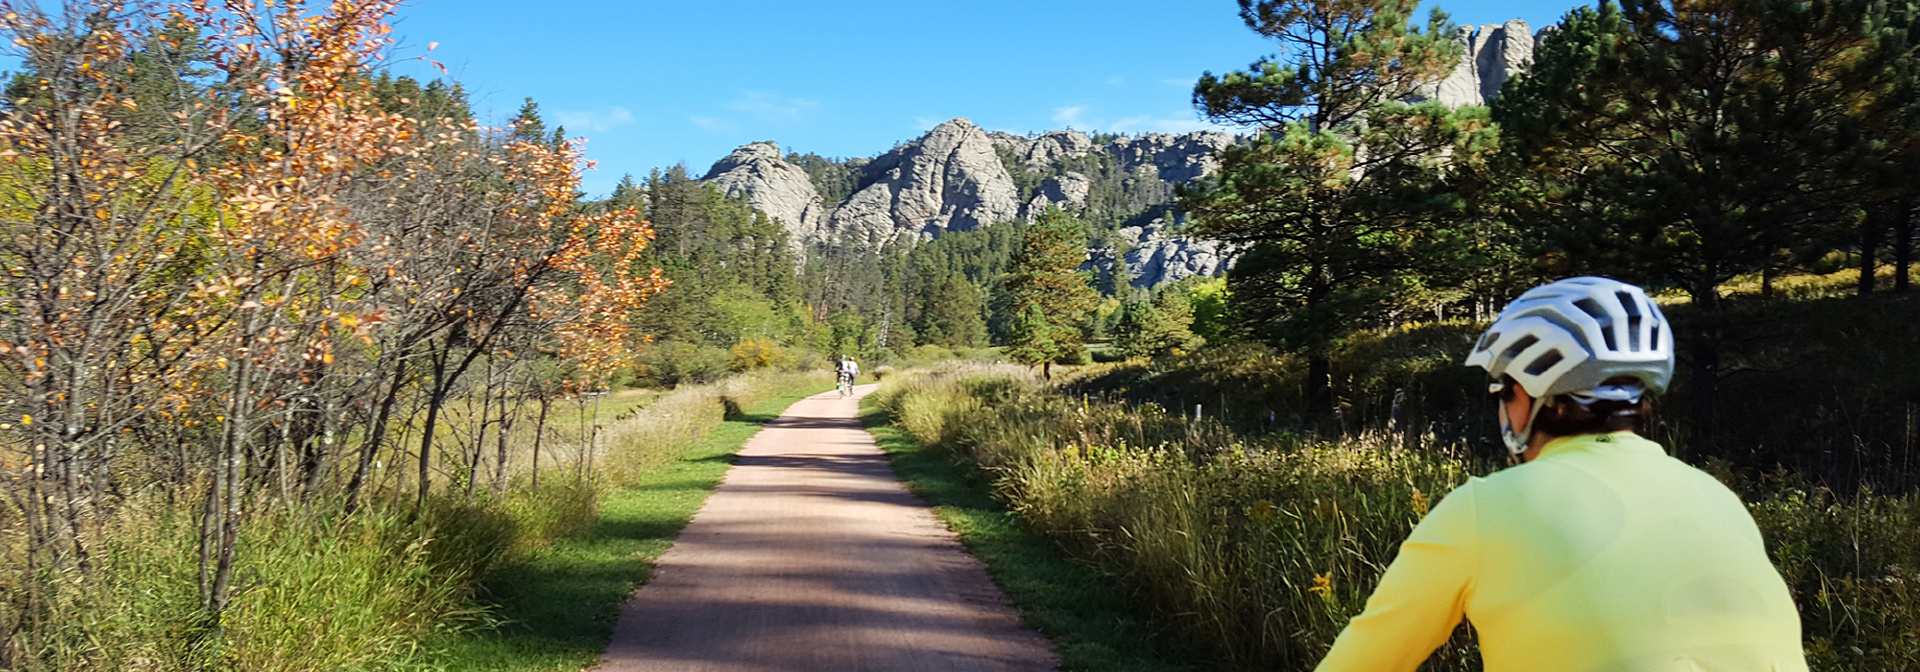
x=557 y=606
x=1093 y=621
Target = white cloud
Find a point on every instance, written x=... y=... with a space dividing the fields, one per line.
x=771 y=108
x=926 y=123
x=712 y=124
x=1076 y=117
x=1070 y=116
x=1117 y=80
x=594 y=120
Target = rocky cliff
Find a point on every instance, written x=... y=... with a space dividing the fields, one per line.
x=959 y=177
x=1494 y=52
x=949 y=179
x=758 y=173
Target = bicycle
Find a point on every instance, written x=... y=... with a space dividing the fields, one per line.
x=846 y=384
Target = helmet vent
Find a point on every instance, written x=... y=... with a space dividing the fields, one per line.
x=1520 y=346
x=1592 y=308
x=1633 y=320
x=1544 y=362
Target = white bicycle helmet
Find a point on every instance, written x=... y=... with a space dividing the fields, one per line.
x=1570 y=337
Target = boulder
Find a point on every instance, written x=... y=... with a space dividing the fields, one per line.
x=1067 y=191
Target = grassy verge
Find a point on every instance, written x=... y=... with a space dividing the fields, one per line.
x=1094 y=623
x=557 y=605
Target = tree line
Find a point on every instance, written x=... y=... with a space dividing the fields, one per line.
x=1677 y=144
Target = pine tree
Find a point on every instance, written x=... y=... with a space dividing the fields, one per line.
x=1157 y=327
x=528 y=126
x=1687 y=142
x=1048 y=296
x=1344 y=174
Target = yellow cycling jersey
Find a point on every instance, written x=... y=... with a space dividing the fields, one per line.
x=1603 y=554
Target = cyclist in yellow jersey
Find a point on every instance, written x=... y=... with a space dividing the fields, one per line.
x=1600 y=553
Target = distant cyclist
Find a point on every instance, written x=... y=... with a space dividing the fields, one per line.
x=1600 y=552
x=848 y=371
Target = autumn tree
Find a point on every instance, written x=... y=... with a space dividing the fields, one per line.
x=230 y=248
x=1048 y=296
x=1343 y=175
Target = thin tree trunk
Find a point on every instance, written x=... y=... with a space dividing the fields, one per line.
x=434 y=399
x=1870 y=235
x=370 y=448
x=1705 y=386
x=507 y=417
x=1903 y=246
x=480 y=432
x=539 y=434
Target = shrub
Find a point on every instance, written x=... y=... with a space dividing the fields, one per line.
x=759 y=353
x=677 y=363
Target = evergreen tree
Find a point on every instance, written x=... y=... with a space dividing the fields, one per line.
x=528 y=126
x=1685 y=143
x=1344 y=176
x=952 y=314
x=1048 y=296
x=1157 y=327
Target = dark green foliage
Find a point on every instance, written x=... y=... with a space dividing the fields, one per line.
x=1684 y=144
x=1687 y=144
x=527 y=126
x=1345 y=182
x=952 y=314
x=437 y=99
x=833 y=178
x=1159 y=326
x=733 y=275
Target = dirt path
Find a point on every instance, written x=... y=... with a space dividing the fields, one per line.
x=812 y=556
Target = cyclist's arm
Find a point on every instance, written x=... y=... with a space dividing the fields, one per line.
x=1419 y=600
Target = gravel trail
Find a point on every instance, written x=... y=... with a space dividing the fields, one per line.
x=811 y=556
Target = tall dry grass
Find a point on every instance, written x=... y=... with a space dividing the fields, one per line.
x=324 y=590
x=1258 y=549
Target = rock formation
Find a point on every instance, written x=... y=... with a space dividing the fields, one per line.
x=1494 y=52
x=1179 y=158
x=1155 y=256
x=1067 y=191
x=1049 y=148
x=949 y=179
x=782 y=190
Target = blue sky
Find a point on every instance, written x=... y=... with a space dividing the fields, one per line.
x=651 y=84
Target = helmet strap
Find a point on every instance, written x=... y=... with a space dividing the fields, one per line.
x=1517 y=441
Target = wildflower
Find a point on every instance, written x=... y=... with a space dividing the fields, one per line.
x=1322 y=585
x=1419 y=503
